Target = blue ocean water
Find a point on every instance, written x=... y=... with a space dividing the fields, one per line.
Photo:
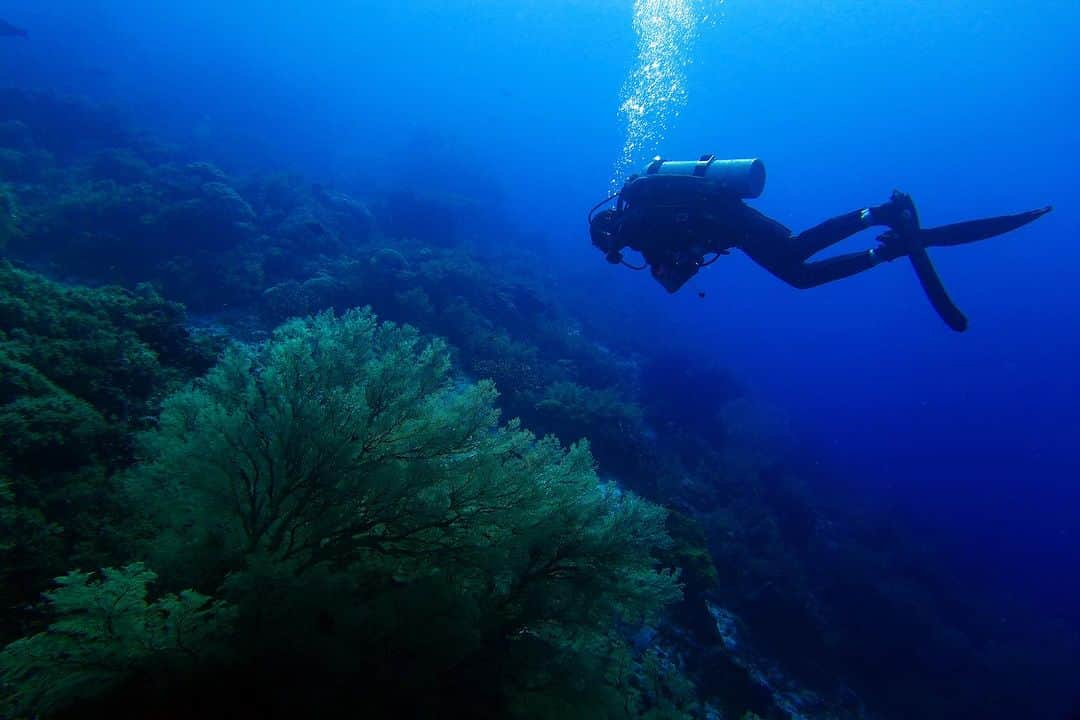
x=971 y=106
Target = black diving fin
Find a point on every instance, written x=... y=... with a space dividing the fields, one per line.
x=915 y=241
x=911 y=238
x=972 y=230
x=933 y=287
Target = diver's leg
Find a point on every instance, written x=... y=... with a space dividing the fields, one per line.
x=773 y=238
x=814 y=240
x=974 y=230
x=773 y=247
x=898 y=212
x=805 y=275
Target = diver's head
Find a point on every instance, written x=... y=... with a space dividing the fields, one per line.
x=604 y=230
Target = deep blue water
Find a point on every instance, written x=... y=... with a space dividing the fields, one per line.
x=971 y=106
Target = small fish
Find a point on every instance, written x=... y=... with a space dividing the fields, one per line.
x=9 y=30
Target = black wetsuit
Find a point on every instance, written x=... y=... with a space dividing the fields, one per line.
x=675 y=221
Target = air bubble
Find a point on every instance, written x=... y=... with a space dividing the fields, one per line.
x=655 y=90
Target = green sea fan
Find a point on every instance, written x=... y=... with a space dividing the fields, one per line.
x=106 y=630
x=341 y=476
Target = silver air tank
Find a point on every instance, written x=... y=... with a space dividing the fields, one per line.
x=745 y=178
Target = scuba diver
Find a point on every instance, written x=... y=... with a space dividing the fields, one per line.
x=679 y=212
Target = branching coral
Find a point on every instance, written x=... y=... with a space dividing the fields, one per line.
x=105 y=631
x=340 y=476
x=613 y=425
x=107 y=346
x=80 y=368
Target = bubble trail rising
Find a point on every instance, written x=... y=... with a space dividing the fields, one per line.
x=655 y=90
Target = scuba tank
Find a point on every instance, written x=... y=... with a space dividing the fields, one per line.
x=744 y=178
x=741 y=178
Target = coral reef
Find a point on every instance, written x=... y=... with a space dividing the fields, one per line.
x=105 y=630
x=821 y=596
x=80 y=371
x=362 y=512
